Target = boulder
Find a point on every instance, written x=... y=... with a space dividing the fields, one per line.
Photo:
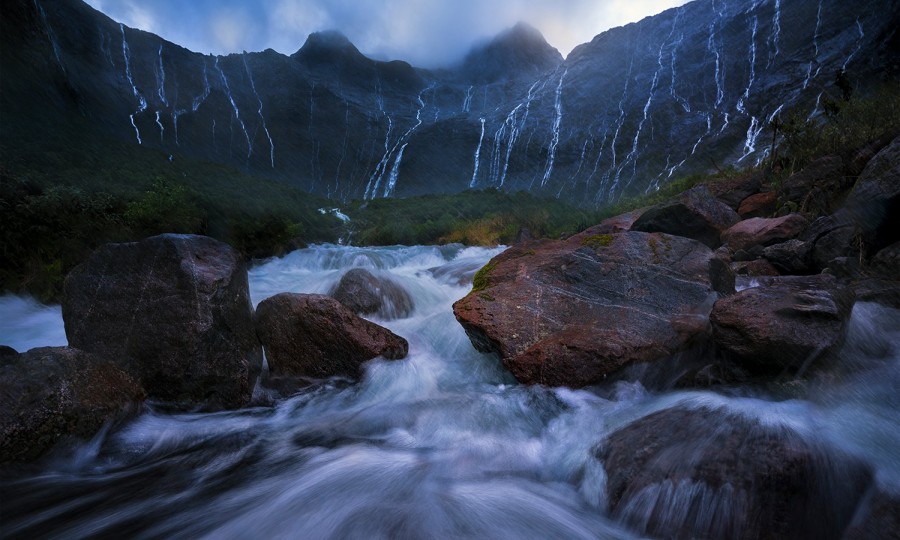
x=572 y=313
x=51 y=394
x=764 y=231
x=791 y=257
x=878 y=517
x=830 y=237
x=732 y=191
x=691 y=472
x=786 y=323
x=881 y=291
x=759 y=205
x=174 y=311
x=313 y=335
x=616 y=224
x=874 y=201
x=366 y=294
x=693 y=214
x=756 y=267
x=886 y=263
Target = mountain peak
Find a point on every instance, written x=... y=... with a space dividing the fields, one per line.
x=517 y=51
x=327 y=45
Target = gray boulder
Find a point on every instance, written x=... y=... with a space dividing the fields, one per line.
x=364 y=293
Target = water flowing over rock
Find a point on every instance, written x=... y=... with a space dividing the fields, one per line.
x=575 y=312
x=51 y=394
x=313 y=335
x=786 y=323
x=174 y=311
x=764 y=231
x=366 y=294
x=694 y=214
x=711 y=473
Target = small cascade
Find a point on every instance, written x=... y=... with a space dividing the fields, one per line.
x=755 y=128
x=205 y=94
x=260 y=112
x=237 y=113
x=467 y=100
x=106 y=46
x=859 y=42
x=142 y=103
x=395 y=170
x=477 y=154
x=619 y=123
x=162 y=129
x=337 y=172
x=776 y=34
x=382 y=164
x=509 y=132
x=50 y=36
x=673 y=54
x=161 y=79
x=554 y=140
x=714 y=47
x=815 y=59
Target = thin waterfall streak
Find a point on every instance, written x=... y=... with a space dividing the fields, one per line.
x=554 y=141
x=260 y=112
x=477 y=154
x=237 y=112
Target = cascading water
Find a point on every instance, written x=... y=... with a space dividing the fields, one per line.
x=443 y=444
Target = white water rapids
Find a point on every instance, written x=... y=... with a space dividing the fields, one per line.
x=443 y=444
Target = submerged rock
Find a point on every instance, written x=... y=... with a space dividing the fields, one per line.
x=693 y=214
x=314 y=335
x=364 y=293
x=174 y=311
x=574 y=312
x=784 y=324
x=712 y=473
x=50 y=394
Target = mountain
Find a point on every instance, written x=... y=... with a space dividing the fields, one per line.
x=680 y=92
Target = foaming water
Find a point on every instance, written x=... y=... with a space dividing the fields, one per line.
x=25 y=323
x=443 y=444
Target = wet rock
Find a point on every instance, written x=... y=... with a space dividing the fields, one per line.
x=456 y=272
x=878 y=517
x=881 y=291
x=791 y=257
x=694 y=214
x=51 y=394
x=616 y=224
x=784 y=324
x=874 y=201
x=759 y=205
x=174 y=311
x=366 y=294
x=830 y=237
x=764 y=231
x=886 y=263
x=313 y=335
x=712 y=473
x=756 y=267
x=573 y=313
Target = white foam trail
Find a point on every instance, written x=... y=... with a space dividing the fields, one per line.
x=142 y=103
x=477 y=154
x=554 y=140
x=724 y=124
x=237 y=113
x=260 y=112
x=161 y=81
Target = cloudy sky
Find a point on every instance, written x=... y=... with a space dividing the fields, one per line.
x=427 y=33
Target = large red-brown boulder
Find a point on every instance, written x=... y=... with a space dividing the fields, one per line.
x=51 y=394
x=174 y=311
x=367 y=294
x=693 y=214
x=313 y=335
x=573 y=312
x=786 y=323
x=711 y=473
x=764 y=231
x=759 y=205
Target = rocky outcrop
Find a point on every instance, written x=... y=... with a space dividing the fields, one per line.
x=366 y=294
x=711 y=473
x=575 y=312
x=52 y=394
x=831 y=237
x=693 y=214
x=785 y=324
x=759 y=205
x=313 y=335
x=791 y=257
x=174 y=311
x=764 y=231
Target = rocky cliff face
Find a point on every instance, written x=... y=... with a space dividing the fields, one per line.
x=625 y=113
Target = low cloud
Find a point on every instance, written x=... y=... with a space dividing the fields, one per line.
x=428 y=33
